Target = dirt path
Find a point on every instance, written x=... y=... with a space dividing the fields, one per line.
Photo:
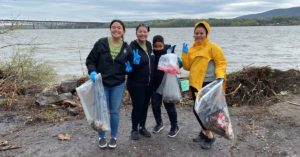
x=259 y=131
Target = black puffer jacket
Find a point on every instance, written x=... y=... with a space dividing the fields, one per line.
x=143 y=72
x=101 y=61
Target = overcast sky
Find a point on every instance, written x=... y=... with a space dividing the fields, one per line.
x=129 y=10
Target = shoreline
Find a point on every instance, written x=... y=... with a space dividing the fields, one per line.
x=259 y=131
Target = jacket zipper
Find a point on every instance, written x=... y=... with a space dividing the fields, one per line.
x=148 y=64
x=149 y=67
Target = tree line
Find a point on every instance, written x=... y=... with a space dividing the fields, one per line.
x=274 y=21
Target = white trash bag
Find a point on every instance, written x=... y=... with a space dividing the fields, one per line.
x=93 y=100
x=169 y=87
x=212 y=110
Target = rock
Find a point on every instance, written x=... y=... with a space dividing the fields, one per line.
x=68 y=86
x=284 y=93
x=46 y=100
x=50 y=96
x=47 y=97
x=31 y=91
x=65 y=96
x=49 y=92
x=73 y=111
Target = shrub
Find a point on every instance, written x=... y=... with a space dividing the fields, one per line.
x=22 y=72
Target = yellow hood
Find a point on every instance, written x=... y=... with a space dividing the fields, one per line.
x=206 y=24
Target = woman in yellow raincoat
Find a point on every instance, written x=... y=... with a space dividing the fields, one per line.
x=206 y=62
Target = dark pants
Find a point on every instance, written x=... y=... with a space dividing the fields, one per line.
x=140 y=97
x=170 y=107
x=193 y=91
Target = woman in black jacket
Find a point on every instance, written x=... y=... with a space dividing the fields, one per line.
x=108 y=57
x=139 y=83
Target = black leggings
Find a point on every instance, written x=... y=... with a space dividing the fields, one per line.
x=156 y=102
x=140 y=96
x=193 y=91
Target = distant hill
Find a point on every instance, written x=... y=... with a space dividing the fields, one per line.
x=288 y=12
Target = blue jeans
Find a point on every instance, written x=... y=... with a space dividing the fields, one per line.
x=114 y=98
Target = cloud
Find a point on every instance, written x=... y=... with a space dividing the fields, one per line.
x=106 y=10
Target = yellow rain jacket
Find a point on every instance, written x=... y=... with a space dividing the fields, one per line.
x=198 y=57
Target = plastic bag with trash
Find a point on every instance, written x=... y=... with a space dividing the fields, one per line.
x=93 y=100
x=169 y=64
x=169 y=87
x=212 y=110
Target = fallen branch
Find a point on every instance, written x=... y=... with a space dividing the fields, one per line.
x=3 y=80
x=293 y=103
x=233 y=93
x=248 y=65
x=70 y=103
x=273 y=92
x=9 y=147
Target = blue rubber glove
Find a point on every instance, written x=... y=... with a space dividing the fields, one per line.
x=128 y=67
x=136 y=57
x=220 y=79
x=185 y=48
x=93 y=76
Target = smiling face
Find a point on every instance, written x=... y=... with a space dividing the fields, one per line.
x=117 y=30
x=142 y=33
x=200 y=34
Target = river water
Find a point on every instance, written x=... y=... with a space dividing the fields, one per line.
x=66 y=49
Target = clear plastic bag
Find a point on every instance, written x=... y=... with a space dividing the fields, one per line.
x=169 y=64
x=93 y=100
x=212 y=110
x=169 y=89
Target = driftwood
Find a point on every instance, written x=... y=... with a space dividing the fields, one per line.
x=4 y=145
x=70 y=103
x=233 y=93
x=253 y=85
x=9 y=147
x=292 y=103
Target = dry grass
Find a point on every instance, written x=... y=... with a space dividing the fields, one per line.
x=23 y=73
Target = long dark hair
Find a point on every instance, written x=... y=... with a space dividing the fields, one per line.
x=120 y=22
x=142 y=25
